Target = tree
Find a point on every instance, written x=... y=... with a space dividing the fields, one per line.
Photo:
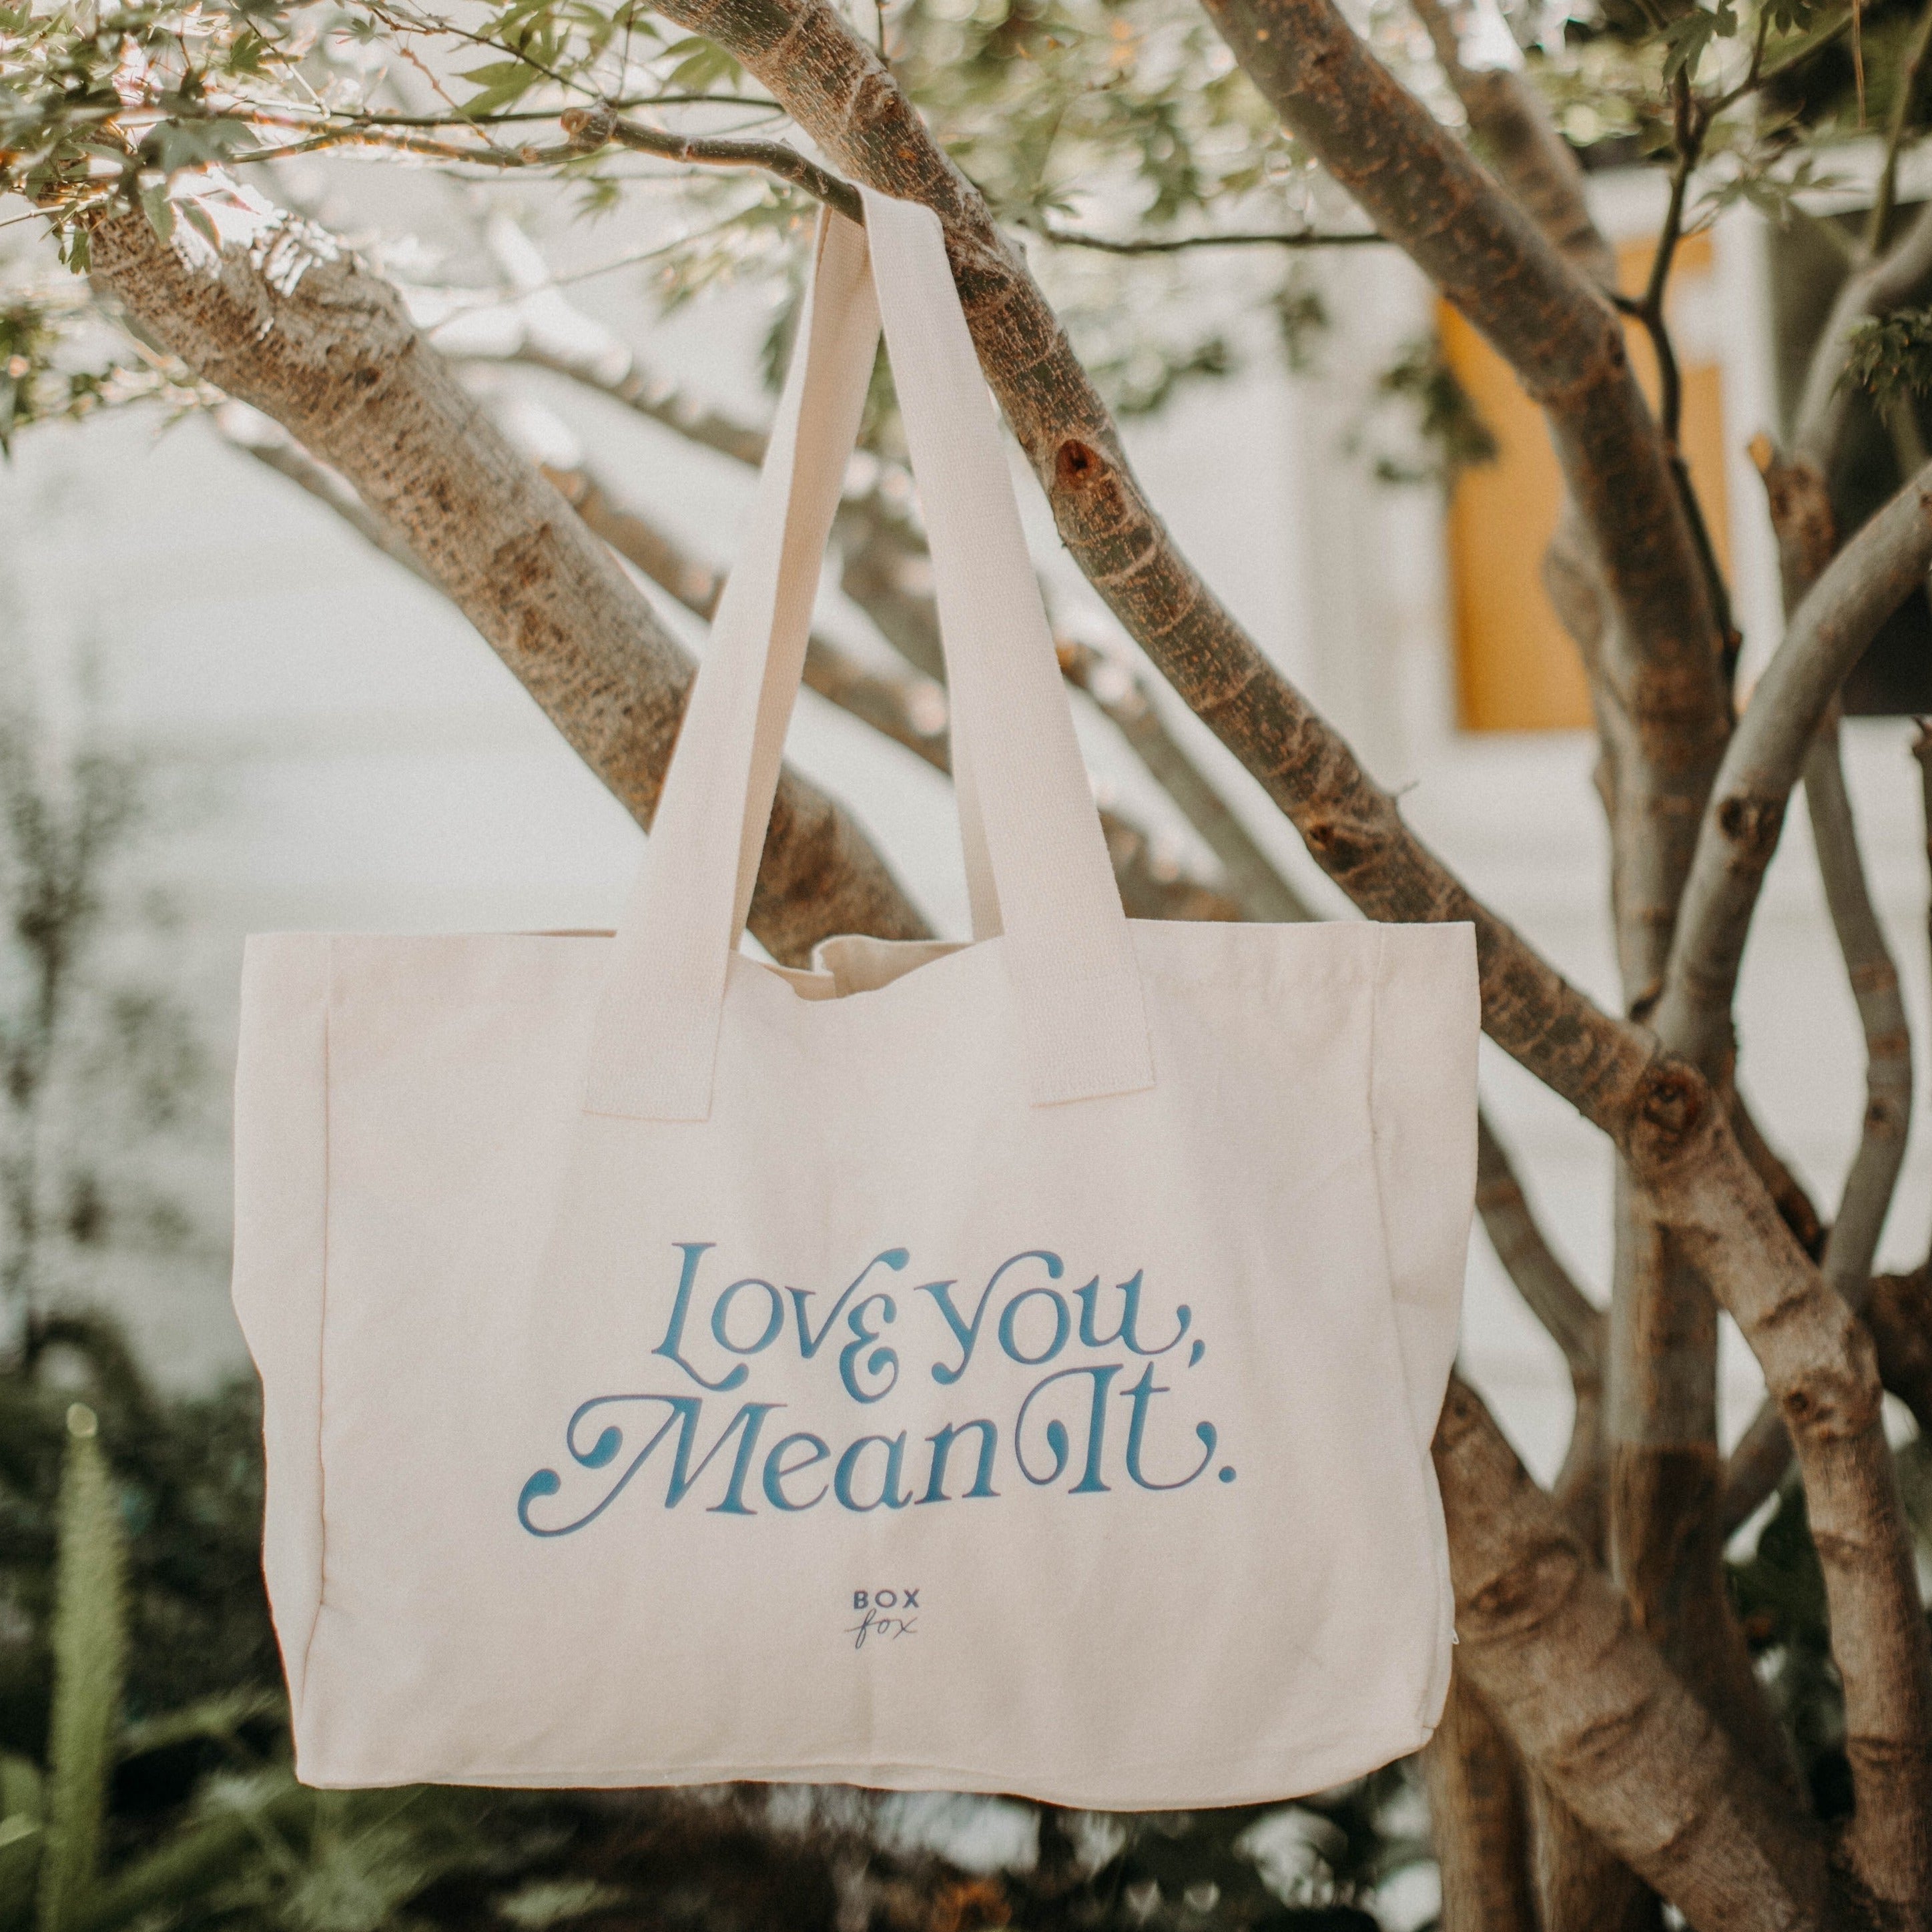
x=1609 y=1743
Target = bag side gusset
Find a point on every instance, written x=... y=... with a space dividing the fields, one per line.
x=1423 y=1109
x=281 y=1178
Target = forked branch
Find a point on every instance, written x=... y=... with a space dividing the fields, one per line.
x=1839 y=616
x=1764 y=1451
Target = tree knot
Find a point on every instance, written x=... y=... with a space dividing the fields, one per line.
x=1339 y=849
x=1751 y=822
x=1672 y=1101
x=1077 y=465
x=588 y=128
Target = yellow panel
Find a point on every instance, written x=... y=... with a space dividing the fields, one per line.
x=1516 y=669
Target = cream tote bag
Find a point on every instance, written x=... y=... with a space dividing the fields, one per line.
x=1003 y=1367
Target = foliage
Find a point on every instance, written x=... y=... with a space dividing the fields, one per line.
x=25 y=341
x=1127 y=116
x=1778 y=1592
x=1890 y=357
x=1055 y=107
x=1446 y=433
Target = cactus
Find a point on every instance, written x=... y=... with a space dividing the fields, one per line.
x=89 y=1648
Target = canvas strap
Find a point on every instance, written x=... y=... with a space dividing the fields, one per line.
x=1037 y=870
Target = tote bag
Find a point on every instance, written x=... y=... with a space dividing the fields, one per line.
x=1006 y=1367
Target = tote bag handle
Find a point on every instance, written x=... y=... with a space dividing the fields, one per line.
x=1037 y=868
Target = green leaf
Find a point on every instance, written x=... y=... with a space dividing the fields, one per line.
x=1685 y=40
x=1891 y=359
x=22 y=1792
x=701 y=65
x=159 y=210
x=176 y=144
x=249 y=54
x=183 y=1868
x=90 y=1650
x=213 y=1717
x=504 y=82
x=198 y=218
x=22 y=1843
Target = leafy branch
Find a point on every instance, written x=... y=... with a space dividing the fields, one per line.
x=1890 y=357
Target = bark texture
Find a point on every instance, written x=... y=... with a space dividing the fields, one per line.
x=1479 y=1822
x=1549 y=1644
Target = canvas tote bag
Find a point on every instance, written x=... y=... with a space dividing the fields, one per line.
x=1008 y=1367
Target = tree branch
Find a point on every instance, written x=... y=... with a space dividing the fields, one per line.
x=609 y=367
x=1912 y=68
x=1877 y=1625
x=1478 y=1820
x=1520 y=142
x=1661 y=651
x=1573 y=1321
x=1899 y=1316
x=1857 y=591
x=1875 y=289
x=587 y=129
x=1764 y=1451
x=261 y=437
x=295 y=326
x=1786 y=1191
x=1547 y=1642
x=1178 y=244
x=1641 y=1474
x=1820 y=1367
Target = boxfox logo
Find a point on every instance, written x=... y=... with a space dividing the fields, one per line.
x=1083 y=1422
x=883 y=1614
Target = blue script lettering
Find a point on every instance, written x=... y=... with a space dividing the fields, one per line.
x=1142 y=1394
x=684 y=1415
x=942 y=1447
x=878 y=1361
x=808 y=1344
x=777 y=1469
x=1089 y=1298
x=968 y=1337
x=1010 y=1316
x=1060 y=1435
x=1090 y=1483
x=671 y=1347
x=774 y=1318
x=889 y=1490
